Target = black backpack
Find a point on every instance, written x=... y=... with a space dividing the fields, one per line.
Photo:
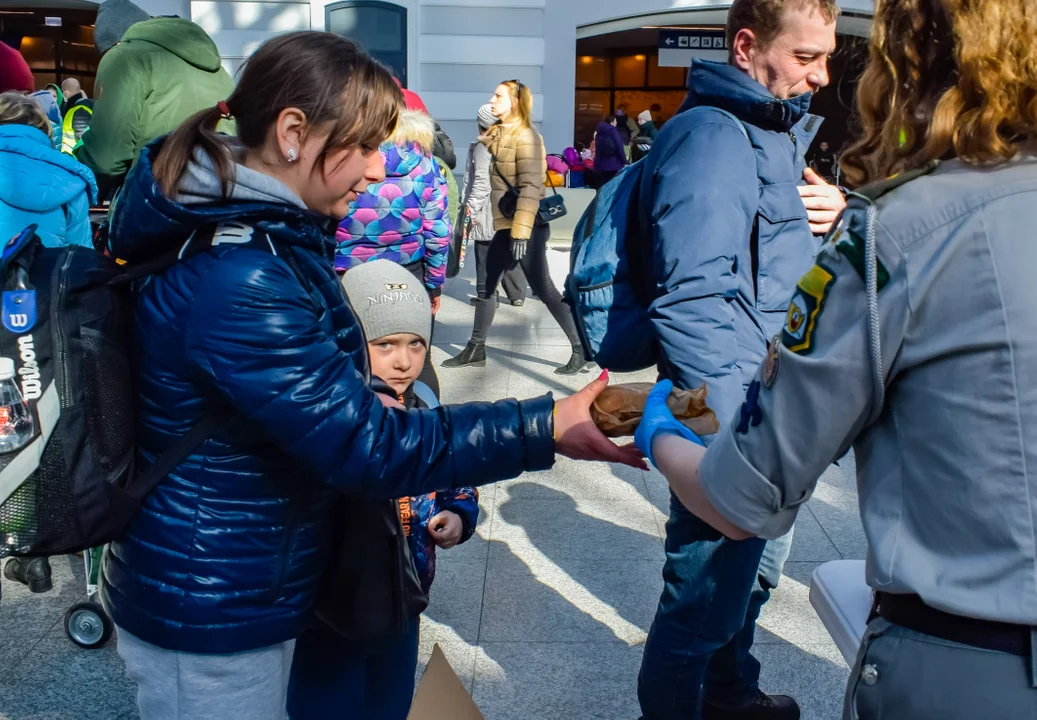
x=65 y=322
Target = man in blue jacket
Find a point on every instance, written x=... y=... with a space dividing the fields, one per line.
x=735 y=215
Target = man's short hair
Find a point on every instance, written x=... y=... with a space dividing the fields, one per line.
x=765 y=17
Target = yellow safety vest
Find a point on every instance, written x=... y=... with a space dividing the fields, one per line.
x=68 y=134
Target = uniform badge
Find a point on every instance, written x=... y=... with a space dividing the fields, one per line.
x=772 y=363
x=19 y=310
x=805 y=308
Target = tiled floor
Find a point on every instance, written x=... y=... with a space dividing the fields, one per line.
x=545 y=612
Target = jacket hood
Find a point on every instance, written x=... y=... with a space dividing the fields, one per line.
x=726 y=87
x=37 y=177
x=415 y=127
x=147 y=224
x=181 y=37
x=400 y=160
x=606 y=127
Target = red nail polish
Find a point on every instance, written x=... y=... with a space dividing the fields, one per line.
x=604 y=374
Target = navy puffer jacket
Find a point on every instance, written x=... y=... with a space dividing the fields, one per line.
x=226 y=555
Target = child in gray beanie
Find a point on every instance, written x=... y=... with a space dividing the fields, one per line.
x=331 y=673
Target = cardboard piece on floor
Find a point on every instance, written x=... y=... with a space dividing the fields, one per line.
x=441 y=695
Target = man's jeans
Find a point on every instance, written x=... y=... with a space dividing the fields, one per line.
x=699 y=642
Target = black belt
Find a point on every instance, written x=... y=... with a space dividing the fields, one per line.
x=910 y=612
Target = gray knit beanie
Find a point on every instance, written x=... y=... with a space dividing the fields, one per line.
x=114 y=18
x=486 y=117
x=388 y=300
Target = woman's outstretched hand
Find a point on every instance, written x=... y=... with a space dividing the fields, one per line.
x=577 y=437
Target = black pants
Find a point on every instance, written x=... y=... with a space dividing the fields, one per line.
x=598 y=180
x=534 y=264
x=513 y=281
x=428 y=373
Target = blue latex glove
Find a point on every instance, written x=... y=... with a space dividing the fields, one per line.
x=658 y=419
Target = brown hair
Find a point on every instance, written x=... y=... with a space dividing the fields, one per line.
x=18 y=109
x=330 y=79
x=945 y=78
x=523 y=100
x=766 y=17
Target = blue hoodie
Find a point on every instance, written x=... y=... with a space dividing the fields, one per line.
x=716 y=194
x=43 y=186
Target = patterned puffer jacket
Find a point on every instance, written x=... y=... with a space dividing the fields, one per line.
x=404 y=218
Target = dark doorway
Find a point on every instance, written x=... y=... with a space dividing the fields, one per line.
x=379 y=27
x=56 y=42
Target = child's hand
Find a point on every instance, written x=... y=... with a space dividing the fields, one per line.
x=446 y=528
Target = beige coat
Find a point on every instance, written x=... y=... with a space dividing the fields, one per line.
x=519 y=153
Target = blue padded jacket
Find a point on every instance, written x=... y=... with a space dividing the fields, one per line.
x=227 y=553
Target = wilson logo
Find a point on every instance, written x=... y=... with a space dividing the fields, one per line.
x=19 y=320
x=30 y=369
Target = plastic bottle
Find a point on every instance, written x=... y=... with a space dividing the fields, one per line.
x=16 y=424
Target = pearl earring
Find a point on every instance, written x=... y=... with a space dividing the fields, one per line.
x=292 y=155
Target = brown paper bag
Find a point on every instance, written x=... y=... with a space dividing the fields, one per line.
x=617 y=411
x=441 y=696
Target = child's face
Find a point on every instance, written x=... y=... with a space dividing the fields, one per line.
x=397 y=359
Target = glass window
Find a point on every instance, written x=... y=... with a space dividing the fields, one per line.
x=665 y=76
x=592 y=71
x=379 y=27
x=630 y=71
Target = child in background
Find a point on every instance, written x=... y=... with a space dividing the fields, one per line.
x=333 y=676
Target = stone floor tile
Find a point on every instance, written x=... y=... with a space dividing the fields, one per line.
x=562 y=528
x=788 y=616
x=456 y=596
x=531 y=597
x=814 y=674
x=584 y=681
x=58 y=681
x=580 y=481
x=25 y=617
x=810 y=542
x=460 y=654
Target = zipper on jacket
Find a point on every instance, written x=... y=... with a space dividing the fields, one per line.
x=64 y=393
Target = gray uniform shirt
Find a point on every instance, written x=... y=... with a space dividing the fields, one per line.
x=944 y=460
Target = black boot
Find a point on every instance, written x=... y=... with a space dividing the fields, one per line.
x=473 y=355
x=761 y=707
x=34 y=572
x=577 y=363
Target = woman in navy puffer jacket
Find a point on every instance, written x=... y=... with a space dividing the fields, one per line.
x=217 y=573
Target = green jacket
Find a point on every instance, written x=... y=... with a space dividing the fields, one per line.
x=163 y=71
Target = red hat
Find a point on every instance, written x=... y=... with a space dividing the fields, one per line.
x=15 y=74
x=411 y=99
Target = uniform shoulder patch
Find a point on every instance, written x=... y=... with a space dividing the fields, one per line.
x=851 y=246
x=805 y=308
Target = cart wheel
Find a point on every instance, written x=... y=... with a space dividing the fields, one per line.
x=88 y=625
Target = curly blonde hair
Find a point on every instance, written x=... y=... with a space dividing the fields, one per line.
x=18 y=109
x=945 y=78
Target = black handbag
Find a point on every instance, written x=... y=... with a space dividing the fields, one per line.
x=552 y=207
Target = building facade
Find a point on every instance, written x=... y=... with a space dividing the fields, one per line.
x=454 y=52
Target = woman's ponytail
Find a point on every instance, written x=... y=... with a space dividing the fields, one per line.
x=199 y=130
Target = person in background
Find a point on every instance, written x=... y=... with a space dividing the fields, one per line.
x=657 y=114
x=442 y=150
x=824 y=162
x=646 y=125
x=256 y=335
x=917 y=350
x=76 y=111
x=404 y=217
x=15 y=75
x=40 y=185
x=609 y=152
x=476 y=193
x=47 y=99
x=335 y=676
x=43 y=187
x=730 y=240
x=519 y=170
x=153 y=75
x=625 y=124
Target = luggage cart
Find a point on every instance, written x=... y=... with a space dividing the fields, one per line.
x=86 y=623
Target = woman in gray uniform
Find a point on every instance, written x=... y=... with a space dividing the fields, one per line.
x=914 y=340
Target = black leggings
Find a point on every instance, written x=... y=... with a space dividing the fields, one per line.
x=513 y=282
x=534 y=264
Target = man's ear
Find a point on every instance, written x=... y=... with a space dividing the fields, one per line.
x=743 y=48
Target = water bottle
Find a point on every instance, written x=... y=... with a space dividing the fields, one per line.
x=16 y=424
